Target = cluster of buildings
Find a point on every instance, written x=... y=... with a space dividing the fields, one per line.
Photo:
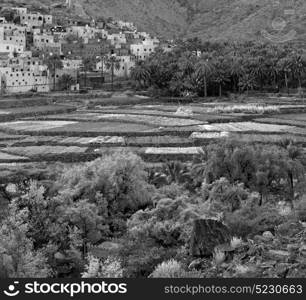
x=32 y=40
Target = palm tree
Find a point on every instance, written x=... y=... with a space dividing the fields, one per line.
x=187 y=63
x=294 y=169
x=236 y=70
x=285 y=68
x=112 y=63
x=246 y=82
x=177 y=84
x=175 y=171
x=66 y=81
x=53 y=62
x=203 y=70
x=297 y=65
x=258 y=70
x=220 y=72
x=272 y=58
x=88 y=65
x=140 y=74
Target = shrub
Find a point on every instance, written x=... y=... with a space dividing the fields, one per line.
x=110 y=268
x=223 y=196
x=18 y=256
x=171 y=191
x=301 y=209
x=169 y=223
x=252 y=219
x=120 y=177
x=168 y=269
x=141 y=256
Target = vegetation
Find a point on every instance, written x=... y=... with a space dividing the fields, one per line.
x=222 y=68
x=113 y=199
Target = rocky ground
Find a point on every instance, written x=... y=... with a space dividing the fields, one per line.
x=278 y=255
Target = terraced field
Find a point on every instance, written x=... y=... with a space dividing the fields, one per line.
x=61 y=132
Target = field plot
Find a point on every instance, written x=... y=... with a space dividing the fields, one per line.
x=34 y=125
x=5 y=157
x=101 y=127
x=71 y=141
x=249 y=127
x=152 y=120
x=72 y=128
x=155 y=132
x=171 y=114
x=209 y=135
x=33 y=111
x=3 y=112
x=44 y=153
x=282 y=121
x=298 y=116
x=5 y=136
x=129 y=118
x=158 y=141
x=100 y=140
x=39 y=150
x=174 y=150
x=267 y=138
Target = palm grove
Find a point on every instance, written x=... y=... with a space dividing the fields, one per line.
x=219 y=68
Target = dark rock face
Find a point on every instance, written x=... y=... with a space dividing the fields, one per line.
x=206 y=235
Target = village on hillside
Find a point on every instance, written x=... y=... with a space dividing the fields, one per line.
x=41 y=53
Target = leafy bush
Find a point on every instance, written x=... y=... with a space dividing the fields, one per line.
x=171 y=191
x=119 y=178
x=18 y=257
x=301 y=209
x=252 y=219
x=110 y=268
x=141 y=256
x=169 y=223
x=223 y=196
x=168 y=269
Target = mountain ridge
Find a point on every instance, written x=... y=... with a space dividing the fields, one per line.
x=206 y=19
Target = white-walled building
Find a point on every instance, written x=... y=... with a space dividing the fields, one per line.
x=82 y=31
x=126 y=25
x=20 y=10
x=10 y=49
x=32 y=20
x=44 y=40
x=72 y=63
x=21 y=80
x=143 y=50
x=13 y=34
x=18 y=41
x=117 y=38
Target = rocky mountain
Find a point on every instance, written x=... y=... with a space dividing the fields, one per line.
x=207 y=19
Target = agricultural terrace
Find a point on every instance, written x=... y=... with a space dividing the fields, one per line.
x=42 y=130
